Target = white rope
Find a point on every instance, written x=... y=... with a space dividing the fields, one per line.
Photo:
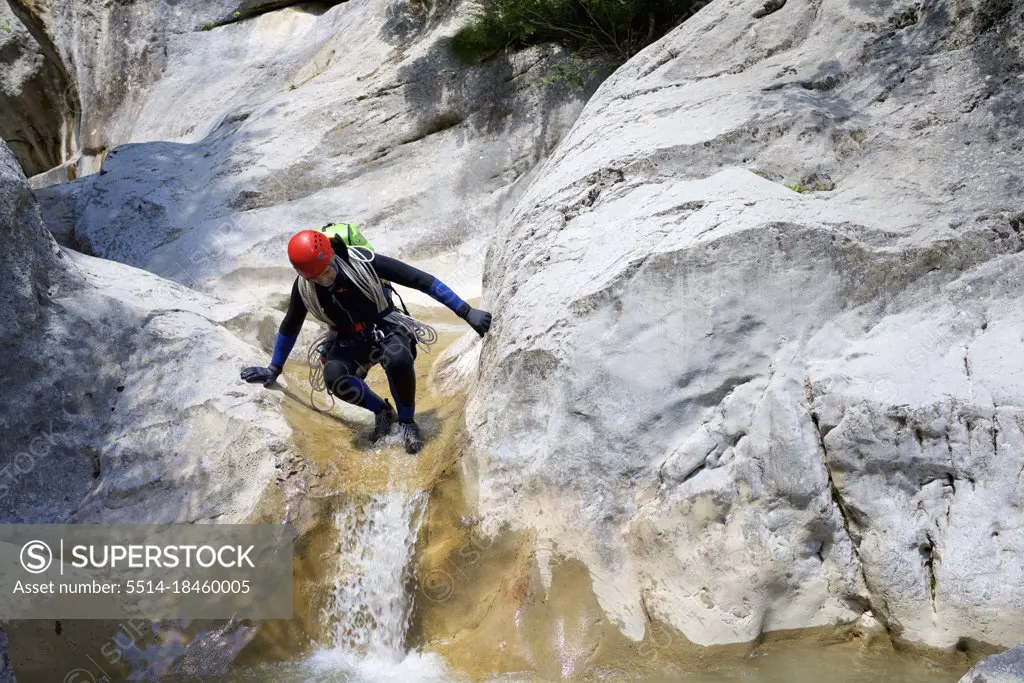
x=362 y=275
x=316 y=372
x=307 y=291
x=359 y=271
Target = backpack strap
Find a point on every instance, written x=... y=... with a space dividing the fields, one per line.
x=391 y=288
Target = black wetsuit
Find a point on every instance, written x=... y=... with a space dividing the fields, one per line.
x=364 y=338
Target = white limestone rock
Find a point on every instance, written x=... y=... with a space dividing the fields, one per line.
x=357 y=113
x=1006 y=667
x=123 y=398
x=747 y=408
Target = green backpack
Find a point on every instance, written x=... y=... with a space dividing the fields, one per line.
x=347 y=233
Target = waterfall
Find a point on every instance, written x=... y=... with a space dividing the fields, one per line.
x=372 y=606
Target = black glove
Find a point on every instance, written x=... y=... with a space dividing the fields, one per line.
x=266 y=375
x=479 y=320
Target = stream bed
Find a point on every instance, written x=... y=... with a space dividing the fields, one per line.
x=393 y=582
x=789 y=664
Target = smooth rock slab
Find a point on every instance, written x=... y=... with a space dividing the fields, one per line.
x=357 y=113
x=122 y=398
x=749 y=409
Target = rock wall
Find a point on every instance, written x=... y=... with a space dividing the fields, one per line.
x=1007 y=667
x=750 y=407
x=108 y=54
x=33 y=110
x=356 y=113
x=119 y=405
x=30 y=258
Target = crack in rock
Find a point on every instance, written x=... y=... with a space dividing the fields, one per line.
x=930 y=558
x=770 y=7
x=598 y=182
x=844 y=513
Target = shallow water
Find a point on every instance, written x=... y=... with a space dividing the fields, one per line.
x=813 y=663
x=784 y=663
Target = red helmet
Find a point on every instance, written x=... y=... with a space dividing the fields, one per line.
x=310 y=252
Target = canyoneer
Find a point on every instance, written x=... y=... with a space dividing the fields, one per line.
x=345 y=285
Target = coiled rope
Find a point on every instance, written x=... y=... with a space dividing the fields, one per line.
x=316 y=370
x=359 y=271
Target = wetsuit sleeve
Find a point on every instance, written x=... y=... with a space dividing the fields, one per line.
x=402 y=273
x=288 y=332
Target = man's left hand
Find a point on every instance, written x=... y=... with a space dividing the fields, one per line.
x=479 y=320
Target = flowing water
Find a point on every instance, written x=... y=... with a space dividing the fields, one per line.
x=371 y=605
x=369 y=618
x=794 y=663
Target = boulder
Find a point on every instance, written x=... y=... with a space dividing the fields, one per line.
x=756 y=354
x=1006 y=667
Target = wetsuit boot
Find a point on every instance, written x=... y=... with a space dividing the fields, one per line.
x=383 y=419
x=412 y=435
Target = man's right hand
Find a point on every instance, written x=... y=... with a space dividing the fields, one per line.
x=256 y=374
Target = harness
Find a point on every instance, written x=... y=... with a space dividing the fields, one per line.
x=307 y=291
x=359 y=271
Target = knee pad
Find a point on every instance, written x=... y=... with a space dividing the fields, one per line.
x=343 y=385
x=397 y=357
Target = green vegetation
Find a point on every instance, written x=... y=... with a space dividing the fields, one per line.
x=572 y=72
x=210 y=25
x=5 y=26
x=590 y=28
x=818 y=186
